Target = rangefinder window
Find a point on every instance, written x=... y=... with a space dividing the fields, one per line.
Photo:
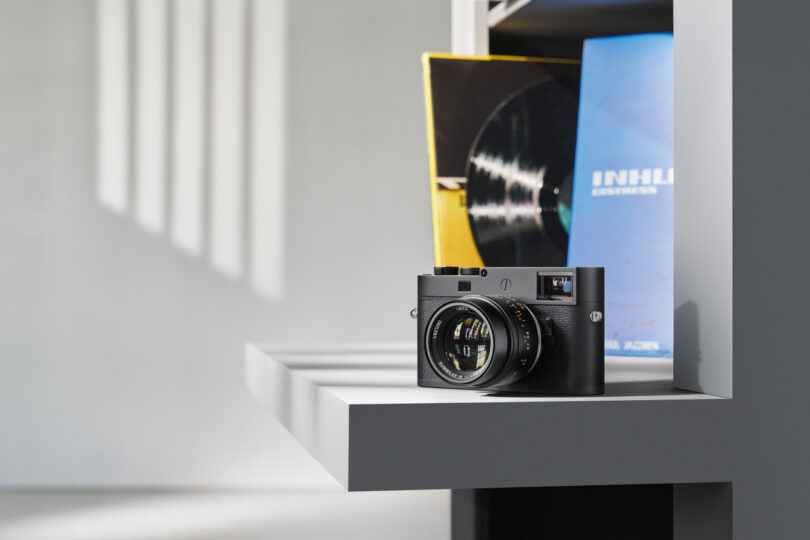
x=555 y=287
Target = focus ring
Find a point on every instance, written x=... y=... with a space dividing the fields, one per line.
x=525 y=340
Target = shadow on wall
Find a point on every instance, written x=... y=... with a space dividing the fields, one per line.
x=688 y=353
x=129 y=294
x=190 y=128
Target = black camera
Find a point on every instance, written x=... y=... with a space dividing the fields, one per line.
x=533 y=330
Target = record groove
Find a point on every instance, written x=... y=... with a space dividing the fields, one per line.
x=519 y=176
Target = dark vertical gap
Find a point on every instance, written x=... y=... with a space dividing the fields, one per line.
x=535 y=45
x=628 y=512
x=205 y=190
x=132 y=106
x=168 y=160
x=247 y=142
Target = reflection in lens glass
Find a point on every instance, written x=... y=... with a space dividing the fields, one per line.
x=466 y=343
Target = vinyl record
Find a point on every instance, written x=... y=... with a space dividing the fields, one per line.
x=519 y=176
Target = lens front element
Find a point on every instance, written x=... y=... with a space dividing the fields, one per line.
x=466 y=343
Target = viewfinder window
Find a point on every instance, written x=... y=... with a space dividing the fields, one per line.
x=555 y=287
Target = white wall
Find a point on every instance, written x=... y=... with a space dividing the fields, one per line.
x=121 y=355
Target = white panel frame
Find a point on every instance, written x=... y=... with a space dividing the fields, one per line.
x=470 y=27
x=703 y=225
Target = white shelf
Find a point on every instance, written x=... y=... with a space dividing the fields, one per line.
x=360 y=413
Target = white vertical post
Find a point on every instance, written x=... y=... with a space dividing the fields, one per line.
x=188 y=133
x=151 y=107
x=112 y=169
x=227 y=137
x=470 y=27
x=267 y=167
x=703 y=196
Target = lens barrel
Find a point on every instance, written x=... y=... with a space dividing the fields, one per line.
x=483 y=341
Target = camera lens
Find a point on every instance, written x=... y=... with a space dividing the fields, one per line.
x=483 y=341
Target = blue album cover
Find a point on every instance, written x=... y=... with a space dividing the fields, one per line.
x=623 y=181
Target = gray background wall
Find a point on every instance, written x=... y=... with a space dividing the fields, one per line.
x=120 y=356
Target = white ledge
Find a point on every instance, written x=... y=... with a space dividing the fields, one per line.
x=358 y=410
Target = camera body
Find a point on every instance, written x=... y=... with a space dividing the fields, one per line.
x=530 y=330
